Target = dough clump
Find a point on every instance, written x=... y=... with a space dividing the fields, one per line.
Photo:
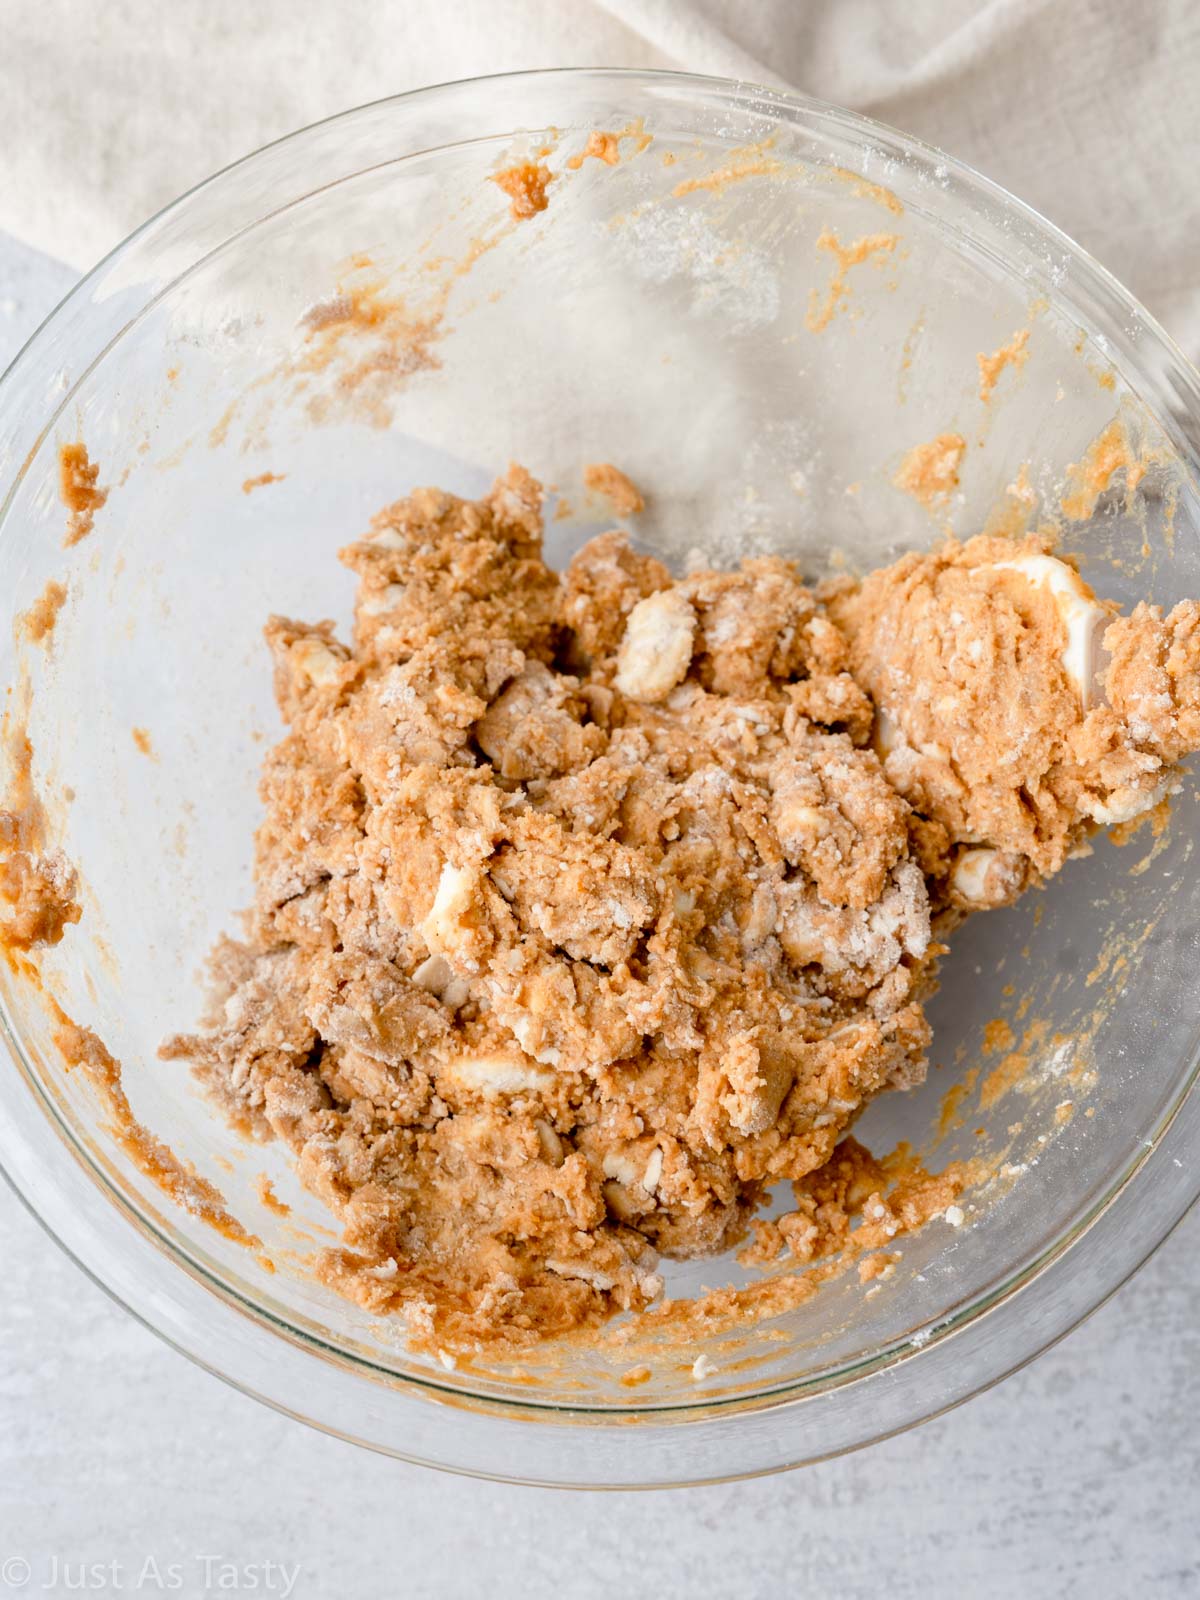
x=590 y=906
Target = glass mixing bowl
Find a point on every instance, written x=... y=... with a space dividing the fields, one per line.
x=354 y=311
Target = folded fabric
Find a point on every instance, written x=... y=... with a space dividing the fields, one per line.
x=1084 y=108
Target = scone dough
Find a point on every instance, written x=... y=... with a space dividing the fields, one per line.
x=591 y=906
x=554 y=970
x=1015 y=710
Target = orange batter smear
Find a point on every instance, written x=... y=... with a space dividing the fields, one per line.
x=37 y=884
x=751 y=161
x=266 y=1193
x=929 y=472
x=80 y=1047
x=525 y=184
x=263 y=478
x=37 y=624
x=365 y=307
x=998 y=1036
x=78 y=490
x=401 y=343
x=951 y=1102
x=1107 y=455
x=1005 y=1077
x=822 y=311
x=368 y=340
x=40 y=885
x=1160 y=821
x=141 y=738
x=851 y=1207
x=866 y=190
x=606 y=147
x=622 y=494
x=599 y=147
x=1013 y=1066
x=1013 y=354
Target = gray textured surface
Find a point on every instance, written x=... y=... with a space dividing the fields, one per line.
x=1079 y=1476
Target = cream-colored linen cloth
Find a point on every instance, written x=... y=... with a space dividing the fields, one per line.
x=1087 y=109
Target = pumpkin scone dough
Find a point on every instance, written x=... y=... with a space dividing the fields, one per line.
x=553 y=971
x=1016 y=712
x=590 y=906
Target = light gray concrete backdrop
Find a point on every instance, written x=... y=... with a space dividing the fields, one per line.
x=1080 y=1476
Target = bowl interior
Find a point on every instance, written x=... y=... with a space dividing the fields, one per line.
x=696 y=313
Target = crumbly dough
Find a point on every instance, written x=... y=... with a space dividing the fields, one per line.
x=37 y=624
x=1015 y=710
x=622 y=494
x=79 y=490
x=525 y=184
x=929 y=472
x=591 y=906
x=554 y=970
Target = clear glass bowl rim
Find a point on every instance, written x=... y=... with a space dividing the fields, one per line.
x=213 y=1325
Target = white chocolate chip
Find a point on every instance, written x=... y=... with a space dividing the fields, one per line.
x=377 y=605
x=443 y=927
x=1083 y=617
x=456 y=993
x=1125 y=804
x=954 y=1216
x=886 y=735
x=437 y=976
x=313 y=661
x=982 y=876
x=551 y=1144
x=499 y=1073
x=969 y=877
x=653 y=1171
x=624 y=1204
x=575 y=1269
x=657 y=648
x=620 y=1167
x=434 y=973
